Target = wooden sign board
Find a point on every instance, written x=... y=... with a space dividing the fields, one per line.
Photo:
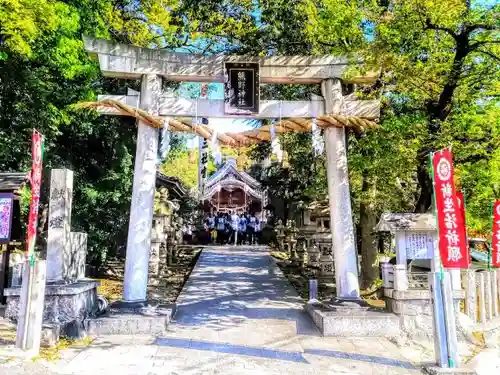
x=241 y=88
x=6 y=213
x=419 y=245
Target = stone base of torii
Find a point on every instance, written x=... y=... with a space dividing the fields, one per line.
x=132 y=62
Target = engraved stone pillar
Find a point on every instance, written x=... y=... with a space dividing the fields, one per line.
x=154 y=255
x=387 y=272
x=301 y=251
x=400 y=277
x=16 y=264
x=341 y=224
x=79 y=253
x=141 y=210
x=326 y=265
x=313 y=255
x=470 y=287
x=59 y=233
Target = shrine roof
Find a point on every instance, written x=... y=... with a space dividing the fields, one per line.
x=395 y=222
x=13 y=181
x=229 y=172
x=173 y=184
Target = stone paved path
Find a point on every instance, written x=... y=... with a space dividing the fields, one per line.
x=237 y=314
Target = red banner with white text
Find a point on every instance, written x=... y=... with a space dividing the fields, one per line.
x=36 y=181
x=451 y=225
x=495 y=236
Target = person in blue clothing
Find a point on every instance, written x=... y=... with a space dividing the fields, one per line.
x=221 y=228
x=211 y=227
x=242 y=229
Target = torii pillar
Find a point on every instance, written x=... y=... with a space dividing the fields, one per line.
x=135 y=282
x=341 y=224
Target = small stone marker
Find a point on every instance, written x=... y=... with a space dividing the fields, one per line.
x=313 y=290
x=17 y=275
x=59 y=233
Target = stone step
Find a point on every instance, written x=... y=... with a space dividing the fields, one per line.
x=355 y=322
x=130 y=322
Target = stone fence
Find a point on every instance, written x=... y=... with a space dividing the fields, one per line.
x=478 y=289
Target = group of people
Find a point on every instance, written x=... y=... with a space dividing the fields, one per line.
x=231 y=228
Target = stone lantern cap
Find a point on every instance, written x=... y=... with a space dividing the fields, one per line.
x=406 y=222
x=319 y=209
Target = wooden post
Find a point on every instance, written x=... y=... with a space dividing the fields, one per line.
x=482 y=292
x=30 y=316
x=470 y=287
x=494 y=291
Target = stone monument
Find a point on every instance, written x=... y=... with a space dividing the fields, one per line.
x=69 y=298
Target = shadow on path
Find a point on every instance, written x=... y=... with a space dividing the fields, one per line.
x=277 y=354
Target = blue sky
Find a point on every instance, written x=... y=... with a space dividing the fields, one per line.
x=216 y=91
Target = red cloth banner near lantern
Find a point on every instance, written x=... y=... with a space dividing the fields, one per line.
x=495 y=236
x=452 y=238
x=36 y=182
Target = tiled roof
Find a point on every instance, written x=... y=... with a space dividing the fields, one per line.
x=12 y=181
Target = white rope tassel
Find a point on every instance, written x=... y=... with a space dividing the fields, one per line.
x=318 y=143
x=215 y=148
x=275 y=142
x=164 y=140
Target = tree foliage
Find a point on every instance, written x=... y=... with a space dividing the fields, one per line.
x=439 y=85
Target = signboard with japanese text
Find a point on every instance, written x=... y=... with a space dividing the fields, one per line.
x=451 y=226
x=202 y=162
x=241 y=88
x=419 y=245
x=495 y=237
x=36 y=181
x=6 y=213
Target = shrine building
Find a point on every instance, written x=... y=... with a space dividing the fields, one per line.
x=231 y=190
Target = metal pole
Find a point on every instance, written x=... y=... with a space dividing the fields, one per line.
x=440 y=345
x=450 y=323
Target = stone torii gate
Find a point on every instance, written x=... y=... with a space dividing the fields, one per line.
x=124 y=61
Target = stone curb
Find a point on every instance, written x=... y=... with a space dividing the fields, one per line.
x=435 y=370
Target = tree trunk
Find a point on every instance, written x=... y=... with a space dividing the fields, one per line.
x=438 y=111
x=369 y=242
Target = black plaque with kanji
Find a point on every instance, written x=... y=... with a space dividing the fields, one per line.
x=241 y=88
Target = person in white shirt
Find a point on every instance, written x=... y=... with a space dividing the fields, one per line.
x=257 y=231
x=234 y=227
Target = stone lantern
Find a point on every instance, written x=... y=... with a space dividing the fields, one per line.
x=280 y=235
x=292 y=231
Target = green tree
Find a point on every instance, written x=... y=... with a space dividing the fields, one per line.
x=44 y=70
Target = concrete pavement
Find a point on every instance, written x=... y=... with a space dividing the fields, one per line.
x=237 y=314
